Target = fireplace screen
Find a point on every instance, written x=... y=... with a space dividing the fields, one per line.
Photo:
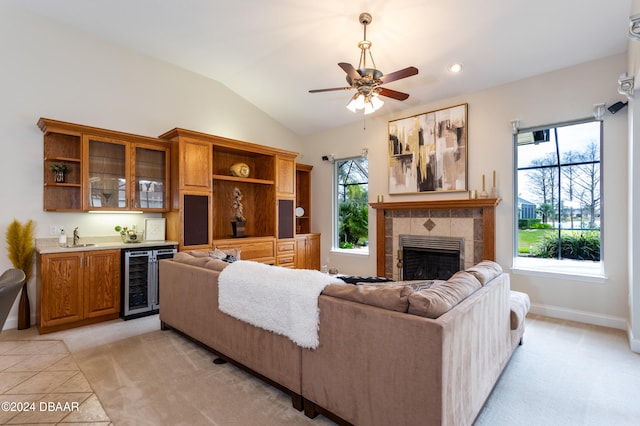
x=431 y=258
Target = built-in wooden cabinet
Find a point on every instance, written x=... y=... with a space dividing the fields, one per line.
x=122 y=175
x=307 y=244
x=286 y=253
x=77 y=288
x=286 y=178
x=151 y=177
x=307 y=249
x=193 y=165
x=303 y=198
x=107 y=170
x=62 y=146
x=202 y=168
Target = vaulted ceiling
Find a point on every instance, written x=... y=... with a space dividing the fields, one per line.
x=272 y=52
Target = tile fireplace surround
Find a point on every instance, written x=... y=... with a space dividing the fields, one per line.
x=473 y=220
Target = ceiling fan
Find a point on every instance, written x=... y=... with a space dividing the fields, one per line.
x=368 y=81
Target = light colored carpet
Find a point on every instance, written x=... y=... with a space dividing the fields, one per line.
x=565 y=374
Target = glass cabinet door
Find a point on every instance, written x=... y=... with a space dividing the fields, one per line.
x=107 y=174
x=150 y=178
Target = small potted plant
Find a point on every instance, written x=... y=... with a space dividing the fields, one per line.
x=59 y=170
x=238 y=223
x=128 y=235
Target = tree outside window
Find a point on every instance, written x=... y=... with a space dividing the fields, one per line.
x=558 y=191
x=352 y=196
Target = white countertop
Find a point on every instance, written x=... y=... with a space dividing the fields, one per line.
x=50 y=245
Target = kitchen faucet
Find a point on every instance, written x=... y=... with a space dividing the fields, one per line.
x=76 y=236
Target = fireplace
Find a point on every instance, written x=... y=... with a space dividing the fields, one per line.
x=474 y=220
x=430 y=258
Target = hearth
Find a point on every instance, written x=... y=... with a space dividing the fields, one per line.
x=473 y=219
x=430 y=257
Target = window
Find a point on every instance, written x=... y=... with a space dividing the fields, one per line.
x=559 y=198
x=351 y=227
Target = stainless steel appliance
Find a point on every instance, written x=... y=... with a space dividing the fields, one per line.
x=140 y=295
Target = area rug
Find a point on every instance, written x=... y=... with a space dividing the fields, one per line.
x=40 y=382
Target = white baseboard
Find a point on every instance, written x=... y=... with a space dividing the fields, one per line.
x=634 y=343
x=580 y=316
x=11 y=322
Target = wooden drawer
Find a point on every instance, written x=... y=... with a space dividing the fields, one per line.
x=258 y=249
x=286 y=246
x=286 y=260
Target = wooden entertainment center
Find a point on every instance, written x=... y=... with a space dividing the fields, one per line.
x=187 y=176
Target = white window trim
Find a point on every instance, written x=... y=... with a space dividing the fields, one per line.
x=563 y=269
x=335 y=246
x=569 y=269
x=362 y=251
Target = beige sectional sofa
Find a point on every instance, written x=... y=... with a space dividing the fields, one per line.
x=393 y=354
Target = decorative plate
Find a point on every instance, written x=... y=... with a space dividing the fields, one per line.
x=240 y=170
x=299 y=211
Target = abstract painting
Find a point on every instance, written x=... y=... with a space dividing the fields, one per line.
x=428 y=152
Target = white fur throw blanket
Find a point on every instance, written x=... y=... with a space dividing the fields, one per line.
x=277 y=299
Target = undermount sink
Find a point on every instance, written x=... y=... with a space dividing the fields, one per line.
x=80 y=245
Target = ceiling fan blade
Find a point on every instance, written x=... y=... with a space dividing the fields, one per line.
x=397 y=75
x=350 y=70
x=393 y=94
x=329 y=90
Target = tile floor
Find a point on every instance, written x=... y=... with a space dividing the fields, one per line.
x=41 y=383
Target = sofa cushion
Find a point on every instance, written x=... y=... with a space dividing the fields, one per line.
x=216 y=264
x=520 y=305
x=198 y=253
x=390 y=296
x=184 y=257
x=443 y=296
x=485 y=271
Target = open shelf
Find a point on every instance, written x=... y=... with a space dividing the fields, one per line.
x=244 y=180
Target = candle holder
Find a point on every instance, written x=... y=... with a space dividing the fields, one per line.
x=483 y=193
x=494 y=192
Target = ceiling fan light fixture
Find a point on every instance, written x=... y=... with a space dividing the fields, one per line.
x=376 y=102
x=368 y=103
x=356 y=103
x=367 y=80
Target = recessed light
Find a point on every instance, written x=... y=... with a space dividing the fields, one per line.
x=457 y=67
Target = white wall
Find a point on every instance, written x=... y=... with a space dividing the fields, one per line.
x=633 y=193
x=54 y=72
x=555 y=97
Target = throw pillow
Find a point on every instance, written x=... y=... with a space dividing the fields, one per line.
x=485 y=271
x=443 y=296
x=223 y=254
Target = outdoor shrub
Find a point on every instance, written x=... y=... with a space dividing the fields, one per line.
x=575 y=245
x=529 y=223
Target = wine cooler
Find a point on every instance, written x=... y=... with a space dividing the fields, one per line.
x=140 y=295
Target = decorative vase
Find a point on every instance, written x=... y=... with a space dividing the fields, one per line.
x=60 y=177
x=24 y=310
x=238 y=228
x=240 y=170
